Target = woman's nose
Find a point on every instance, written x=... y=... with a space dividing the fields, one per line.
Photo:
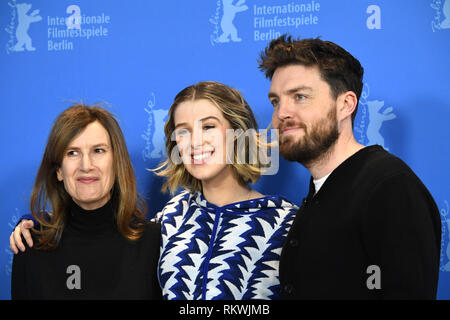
x=197 y=135
x=86 y=163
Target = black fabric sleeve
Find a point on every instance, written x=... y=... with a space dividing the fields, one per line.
x=26 y=217
x=155 y=232
x=402 y=235
x=19 y=289
x=30 y=217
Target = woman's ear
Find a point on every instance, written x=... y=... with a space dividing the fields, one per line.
x=59 y=175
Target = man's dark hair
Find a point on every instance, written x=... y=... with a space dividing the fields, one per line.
x=337 y=67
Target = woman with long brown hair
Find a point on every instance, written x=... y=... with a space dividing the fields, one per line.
x=95 y=243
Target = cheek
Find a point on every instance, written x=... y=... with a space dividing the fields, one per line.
x=68 y=180
x=218 y=141
x=183 y=145
x=66 y=171
x=184 y=150
x=229 y=147
x=110 y=173
x=275 y=122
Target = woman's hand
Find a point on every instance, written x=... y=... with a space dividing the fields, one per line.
x=15 y=240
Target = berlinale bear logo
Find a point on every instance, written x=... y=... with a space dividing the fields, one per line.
x=376 y=119
x=24 y=21
x=372 y=115
x=439 y=23
x=445 y=250
x=154 y=134
x=229 y=31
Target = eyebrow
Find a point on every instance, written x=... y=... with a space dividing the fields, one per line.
x=94 y=146
x=291 y=91
x=201 y=120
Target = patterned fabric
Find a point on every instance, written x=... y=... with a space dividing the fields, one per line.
x=229 y=252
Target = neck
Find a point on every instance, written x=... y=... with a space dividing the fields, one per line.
x=226 y=189
x=92 y=205
x=98 y=221
x=344 y=148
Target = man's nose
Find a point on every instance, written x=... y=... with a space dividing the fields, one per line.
x=284 y=110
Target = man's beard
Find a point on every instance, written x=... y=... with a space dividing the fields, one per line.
x=315 y=143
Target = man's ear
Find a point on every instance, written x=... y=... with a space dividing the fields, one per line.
x=346 y=104
x=59 y=175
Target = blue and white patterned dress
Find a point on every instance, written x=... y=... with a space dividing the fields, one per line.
x=230 y=252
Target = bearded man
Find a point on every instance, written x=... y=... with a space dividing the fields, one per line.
x=369 y=228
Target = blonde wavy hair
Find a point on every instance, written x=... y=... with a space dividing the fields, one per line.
x=240 y=116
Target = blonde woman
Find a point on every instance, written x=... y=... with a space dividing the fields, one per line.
x=221 y=239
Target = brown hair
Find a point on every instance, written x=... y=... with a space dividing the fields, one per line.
x=337 y=67
x=129 y=208
x=238 y=113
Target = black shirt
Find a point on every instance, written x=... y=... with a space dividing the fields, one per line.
x=93 y=261
x=371 y=212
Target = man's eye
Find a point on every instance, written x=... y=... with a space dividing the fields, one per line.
x=299 y=96
x=274 y=102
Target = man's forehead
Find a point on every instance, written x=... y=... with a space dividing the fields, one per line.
x=293 y=78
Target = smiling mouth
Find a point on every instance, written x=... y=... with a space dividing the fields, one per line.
x=201 y=158
x=289 y=129
x=87 y=180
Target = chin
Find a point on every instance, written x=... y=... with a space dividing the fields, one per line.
x=202 y=175
x=205 y=173
x=91 y=199
x=288 y=145
x=292 y=138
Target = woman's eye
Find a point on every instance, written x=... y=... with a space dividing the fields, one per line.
x=72 y=153
x=207 y=127
x=181 y=132
x=99 y=150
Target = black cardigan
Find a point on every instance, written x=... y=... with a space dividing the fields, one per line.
x=371 y=211
x=92 y=261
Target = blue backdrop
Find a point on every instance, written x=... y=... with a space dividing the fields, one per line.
x=136 y=55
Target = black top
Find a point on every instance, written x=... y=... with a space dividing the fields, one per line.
x=372 y=211
x=92 y=261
